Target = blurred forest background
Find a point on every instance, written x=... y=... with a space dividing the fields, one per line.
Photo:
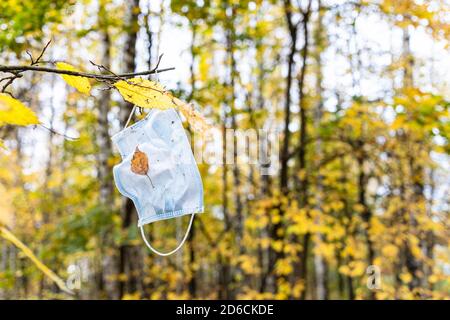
x=358 y=89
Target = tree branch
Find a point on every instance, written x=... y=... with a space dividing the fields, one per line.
x=16 y=69
x=110 y=77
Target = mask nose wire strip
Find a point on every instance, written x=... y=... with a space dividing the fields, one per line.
x=142 y=227
x=174 y=250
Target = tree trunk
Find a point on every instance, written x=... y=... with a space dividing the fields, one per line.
x=367 y=213
x=276 y=229
x=304 y=181
x=238 y=226
x=192 y=282
x=416 y=170
x=104 y=154
x=130 y=256
x=319 y=262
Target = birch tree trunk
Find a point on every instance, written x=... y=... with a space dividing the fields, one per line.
x=319 y=262
x=416 y=171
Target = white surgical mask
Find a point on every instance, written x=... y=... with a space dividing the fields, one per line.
x=158 y=170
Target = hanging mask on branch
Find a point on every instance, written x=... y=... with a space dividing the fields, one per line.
x=158 y=171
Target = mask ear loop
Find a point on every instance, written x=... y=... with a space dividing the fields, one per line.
x=130 y=116
x=147 y=243
x=165 y=254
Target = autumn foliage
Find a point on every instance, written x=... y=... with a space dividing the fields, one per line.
x=357 y=90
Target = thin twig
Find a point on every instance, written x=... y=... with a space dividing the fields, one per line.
x=42 y=53
x=30 y=56
x=102 y=67
x=7 y=78
x=58 y=133
x=11 y=79
x=157 y=63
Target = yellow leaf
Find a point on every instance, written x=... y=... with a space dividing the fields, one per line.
x=353 y=269
x=195 y=118
x=325 y=249
x=276 y=218
x=344 y=270
x=7 y=235
x=14 y=112
x=6 y=207
x=283 y=267
x=277 y=245
x=145 y=93
x=249 y=264
x=132 y=296
x=301 y=174
x=80 y=83
x=358 y=207
x=390 y=251
x=433 y=278
x=406 y=277
x=265 y=243
x=122 y=277
x=204 y=66
x=358 y=268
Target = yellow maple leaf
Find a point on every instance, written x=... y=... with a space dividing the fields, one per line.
x=14 y=112
x=80 y=83
x=145 y=93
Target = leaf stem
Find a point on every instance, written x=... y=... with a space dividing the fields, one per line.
x=150 y=181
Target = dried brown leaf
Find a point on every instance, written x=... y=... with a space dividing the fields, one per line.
x=139 y=162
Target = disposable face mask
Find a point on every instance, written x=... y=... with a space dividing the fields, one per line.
x=158 y=171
